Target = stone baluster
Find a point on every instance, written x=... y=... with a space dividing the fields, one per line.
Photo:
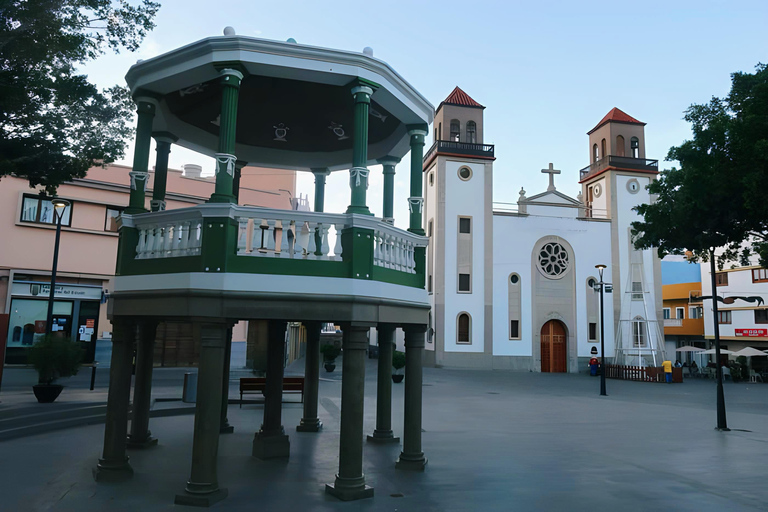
x=312 y=241
x=242 y=235
x=324 y=247
x=337 y=250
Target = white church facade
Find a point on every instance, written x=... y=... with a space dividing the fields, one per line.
x=513 y=288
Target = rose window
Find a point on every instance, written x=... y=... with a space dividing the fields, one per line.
x=553 y=260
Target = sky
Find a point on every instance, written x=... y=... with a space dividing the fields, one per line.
x=546 y=71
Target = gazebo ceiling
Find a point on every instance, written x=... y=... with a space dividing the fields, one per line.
x=295 y=105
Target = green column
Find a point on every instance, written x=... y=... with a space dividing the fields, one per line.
x=225 y=158
x=358 y=175
x=239 y=164
x=163 y=143
x=320 y=176
x=416 y=201
x=389 y=164
x=145 y=109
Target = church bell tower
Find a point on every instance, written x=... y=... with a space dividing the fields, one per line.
x=458 y=197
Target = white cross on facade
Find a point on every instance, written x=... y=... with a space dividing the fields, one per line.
x=551 y=171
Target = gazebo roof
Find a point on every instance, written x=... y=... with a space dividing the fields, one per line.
x=295 y=106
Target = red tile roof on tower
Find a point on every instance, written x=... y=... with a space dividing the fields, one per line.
x=617 y=116
x=460 y=98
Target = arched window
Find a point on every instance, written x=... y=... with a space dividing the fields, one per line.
x=435 y=133
x=471 y=132
x=439 y=131
x=638 y=332
x=603 y=152
x=455 y=130
x=620 y=148
x=593 y=310
x=463 y=328
x=515 y=306
x=595 y=154
x=634 y=145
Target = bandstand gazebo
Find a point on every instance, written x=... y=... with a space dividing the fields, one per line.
x=275 y=104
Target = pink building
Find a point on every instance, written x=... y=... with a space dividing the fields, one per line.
x=88 y=246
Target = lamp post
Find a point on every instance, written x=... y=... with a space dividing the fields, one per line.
x=722 y=423
x=59 y=206
x=601 y=286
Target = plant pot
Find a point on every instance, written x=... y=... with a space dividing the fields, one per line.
x=398 y=378
x=47 y=393
x=329 y=367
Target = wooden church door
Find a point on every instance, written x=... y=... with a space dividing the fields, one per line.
x=553 y=347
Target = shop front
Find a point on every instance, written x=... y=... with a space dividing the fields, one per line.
x=75 y=316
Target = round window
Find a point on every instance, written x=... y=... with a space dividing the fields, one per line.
x=465 y=173
x=633 y=186
x=591 y=283
x=514 y=279
x=553 y=260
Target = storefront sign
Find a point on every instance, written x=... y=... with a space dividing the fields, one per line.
x=63 y=291
x=752 y=333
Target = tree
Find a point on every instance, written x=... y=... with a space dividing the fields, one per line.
x=717 y=196
x=55 y=124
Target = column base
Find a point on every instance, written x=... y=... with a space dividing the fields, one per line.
x=200 y=500
x=349 y=490
x=221 y=198
x=227 y=429
x=313 y=425
x=139 y=444
x=271 y=447
x=411 y=462
x=383 y=437
x=108 y=471
x=363 y=210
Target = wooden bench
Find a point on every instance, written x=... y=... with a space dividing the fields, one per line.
x=259 y=384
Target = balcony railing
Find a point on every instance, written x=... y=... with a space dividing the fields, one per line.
x=622 y=162
x=177 y=241
x=673 y=322
x=460 y=148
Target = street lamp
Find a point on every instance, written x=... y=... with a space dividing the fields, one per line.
x=601 y=287
x=722 y=423
x=59 y=206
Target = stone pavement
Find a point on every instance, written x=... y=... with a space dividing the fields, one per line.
x=495 y=441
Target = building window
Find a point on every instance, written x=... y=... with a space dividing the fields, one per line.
x=760 y=275
x=634 y=146
x=680 y=313
x=471 y=132
x=667 y=313
x=440 y=131
x=429 y=228
x=595 y=154
x=592 y=331
x=620 y=149
x=463 y=331
x=553 y=260
x=465 y=225
x=761 y=316
x=721 y=279
x=465 y=173
x=638 y=332
x=40 y=209
x=431 y=179
x=637 y=290
x=110 y=224
x=602 y=148
x=465 y=283
x=694 y=312
x=514 y=329
x=514 y=279
x=429 y=284
x=455 y=130
x=723 y=317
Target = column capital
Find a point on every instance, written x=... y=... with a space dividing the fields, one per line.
x=239 y=164
x=146 y=104
x=389 y=161
x=415 y=205
x=362 y=93
x=138 y=177
x=164 y=137
x=320 y=171
x=231 y=76
x=417 y=129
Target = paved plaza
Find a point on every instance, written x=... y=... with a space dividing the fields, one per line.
x=495 y=441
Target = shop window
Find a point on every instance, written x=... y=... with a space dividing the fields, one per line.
x=724 y=317
x=761 y=316
x=721 y=279
x=464 y=331
x=110 y=224
x=40 y=209
x=760 y=275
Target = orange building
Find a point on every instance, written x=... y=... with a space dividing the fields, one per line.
x=683 y=317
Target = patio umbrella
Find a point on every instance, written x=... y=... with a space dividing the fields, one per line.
x=689 y=348
x=750 y=352
x=712 y=351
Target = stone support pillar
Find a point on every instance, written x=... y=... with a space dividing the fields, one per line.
x=140 y=436
x=383 y=432
x=163 y=143
x=389 y=187
x=145 y=109
x=320 y=176
x=350 y=480
x=358 y=175
x=225 y=427
x=113 y=465
x=310 y=422
x=271 y=441
x=203 y=486
x=416 y=201
x=412 y=457
x=230 y=80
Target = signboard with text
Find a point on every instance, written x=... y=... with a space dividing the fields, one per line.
x=752 y=333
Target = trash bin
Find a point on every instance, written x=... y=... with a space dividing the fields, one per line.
x=189 y=396
x=593 y=365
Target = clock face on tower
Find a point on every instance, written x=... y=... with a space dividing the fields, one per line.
x=597 y=190
x=633 y=186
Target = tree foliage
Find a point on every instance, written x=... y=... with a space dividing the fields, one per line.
x=54 y=122
x=717 y=196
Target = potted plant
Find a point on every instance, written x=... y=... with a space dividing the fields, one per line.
x=53 y=357
x=330 y=353
x=398 y=363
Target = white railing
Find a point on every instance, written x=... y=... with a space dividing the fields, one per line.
x=270 y=233
x=673 y=322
